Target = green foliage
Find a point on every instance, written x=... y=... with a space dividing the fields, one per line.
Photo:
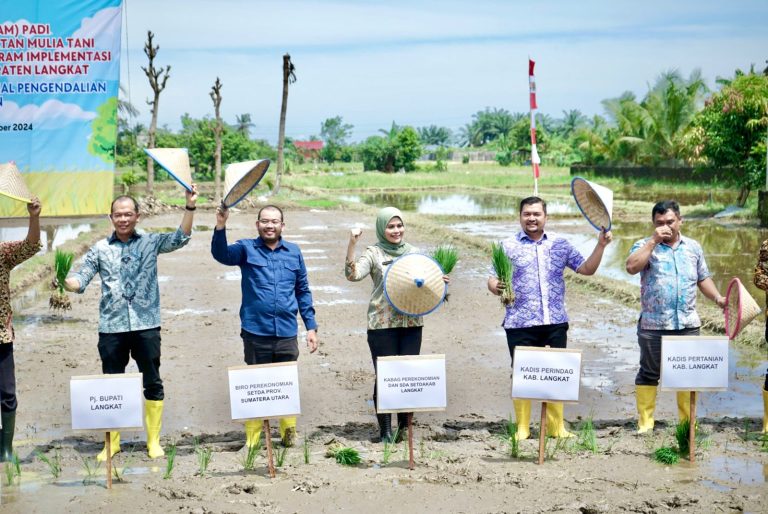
x=510 y=438
x=13 y=470
x=503 y=268
x=249 y=457
x=434 y=135
x=129 y=178
x=446 y=256
x=305 y=447
x=666 y=455
x=91 y=467
x=170 y=460
x=587 y=438
x=398 y=150
x=53 y=462
x=465 y=159
x=204 y=454
x=62 y=265
x=344 y=455
x=101 y=142
x=280 y=455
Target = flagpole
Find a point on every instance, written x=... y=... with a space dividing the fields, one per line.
x=535 y=160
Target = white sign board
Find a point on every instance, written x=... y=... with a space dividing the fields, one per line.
x=107 y=402
x=407 y=383
x=694 y=363
x=264 y=391
x=546 y=374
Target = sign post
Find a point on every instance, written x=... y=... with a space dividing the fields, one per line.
x=694 y=363
x=106 y=403
x=546 y=374
x=411 y=383
x=264 y=391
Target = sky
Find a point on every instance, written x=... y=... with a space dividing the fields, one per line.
x=425 y=62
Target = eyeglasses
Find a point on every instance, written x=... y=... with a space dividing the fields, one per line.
x=274 y=223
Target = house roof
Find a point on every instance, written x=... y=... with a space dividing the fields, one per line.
x=308 y=145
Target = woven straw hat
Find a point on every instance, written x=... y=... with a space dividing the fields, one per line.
x=12 y=184
x=240 y=178
x=414 y=285
x=740 y=308
x=175 y=161
x=594 y=201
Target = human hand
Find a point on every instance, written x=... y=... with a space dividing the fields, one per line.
x=605 y=238
x=222 y=214
x=191 y=196
x=661 y=234
x=721 y=301
x=447 y=279
x=34 y=207
x=354 y=235
x=312 y=340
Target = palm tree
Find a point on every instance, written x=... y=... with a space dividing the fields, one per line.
x=289 y=77
x=243 y=124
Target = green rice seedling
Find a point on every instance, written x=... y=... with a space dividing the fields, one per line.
x=587 y=438
x=53 y=463
x=550 y=450
x=204 y=454
x=10 y=474
x=280 y=455
x=306 y=451
x=503 y=268
x=389 y=448
x=666 y=455
x=91 y=467
x=509 y=437
x=681 y=436
x=119 y=472
x=344 y=455
x=446 y=256
x=248 y=460
x=170 y=460
x=16 y=464
x=62 y=263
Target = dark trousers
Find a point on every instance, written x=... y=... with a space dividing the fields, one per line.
x=554 y=336
x=650 y=352
x=144 y=346
x=7 y=378
x=267 y=349
x=393 y=341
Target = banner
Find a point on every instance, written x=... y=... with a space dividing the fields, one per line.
x=107 y=402
x=59 y=81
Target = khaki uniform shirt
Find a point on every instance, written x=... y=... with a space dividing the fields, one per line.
x=12 y=253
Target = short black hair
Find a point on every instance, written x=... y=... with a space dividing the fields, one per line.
x=663 y=206
x=531 y=200
x=121 y=198
x=275 y=207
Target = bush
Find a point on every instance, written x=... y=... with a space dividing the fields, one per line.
x=465 y=159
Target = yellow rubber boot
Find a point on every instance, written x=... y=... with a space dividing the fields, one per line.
x=683 y=405
x=555 y=423
x=253 y=432
x=153 y=419
x=523 y=418
x=288 y=431
x=765 y=411
x=114 y=443
x=646 y=403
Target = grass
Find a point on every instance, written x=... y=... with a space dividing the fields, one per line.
x=119 y=472
x=53 y=462
x=389 y=448
x=666 y=455
x=586 y=439
x=204 y=454
x=280 y=455
x=305 y=447
x=344 y=455
x=446 y=256
x=248 y=460
x=510 y=438
x=170 y=460
x=91 y=467
x=12 y=470
x=551 y=450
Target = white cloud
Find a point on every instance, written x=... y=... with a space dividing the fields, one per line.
x=53 y=114
x=104 y=26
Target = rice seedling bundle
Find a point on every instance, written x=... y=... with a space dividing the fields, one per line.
x=503 y=268
x=62 y=263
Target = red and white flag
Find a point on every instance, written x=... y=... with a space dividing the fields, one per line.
x=535 y=160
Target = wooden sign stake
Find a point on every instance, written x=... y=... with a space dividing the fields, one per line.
x=268 y=439
x=411 y=464
x=542 y=432
x=692 y=429
x=108 y=446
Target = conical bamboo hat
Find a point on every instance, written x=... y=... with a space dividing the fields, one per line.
x=594 y=201
x=413 y=284
x=12 y=183
x=175 y=161
x=740 y=308
x=240 y=178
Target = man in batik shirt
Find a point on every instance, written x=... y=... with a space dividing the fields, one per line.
x=761 y=281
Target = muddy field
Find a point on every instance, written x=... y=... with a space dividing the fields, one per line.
x=462 y=463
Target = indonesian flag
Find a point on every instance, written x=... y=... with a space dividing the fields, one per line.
x=535 y=160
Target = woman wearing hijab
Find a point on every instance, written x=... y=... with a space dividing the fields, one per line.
x=389 y=332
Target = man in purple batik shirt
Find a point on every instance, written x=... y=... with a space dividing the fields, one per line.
x=537 y=317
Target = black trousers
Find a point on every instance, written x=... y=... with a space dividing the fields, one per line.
x=144 y=346
x=7 y=379
x=650 y=352
x=384 y=342
x=554 y=336
x=267 y=349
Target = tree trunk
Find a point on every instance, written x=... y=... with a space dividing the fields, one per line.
x=217 y=130
x=281 y=135
x=151 y=144
x=743 y=195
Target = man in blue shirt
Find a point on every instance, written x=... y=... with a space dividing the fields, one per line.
x=129 y=311
x=275 y=288
x=671 y=268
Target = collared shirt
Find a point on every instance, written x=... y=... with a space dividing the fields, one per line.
x=761 y=269
x=381 y=314
x=274 y=285
x=130 y=295
x=537 y=279
x=668 y=285
x=12 y=253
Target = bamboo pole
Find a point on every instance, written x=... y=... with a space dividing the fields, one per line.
x=411 y=464
x=542 y=432
x=692 y=430
x=268 y=439
x=108 y=446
